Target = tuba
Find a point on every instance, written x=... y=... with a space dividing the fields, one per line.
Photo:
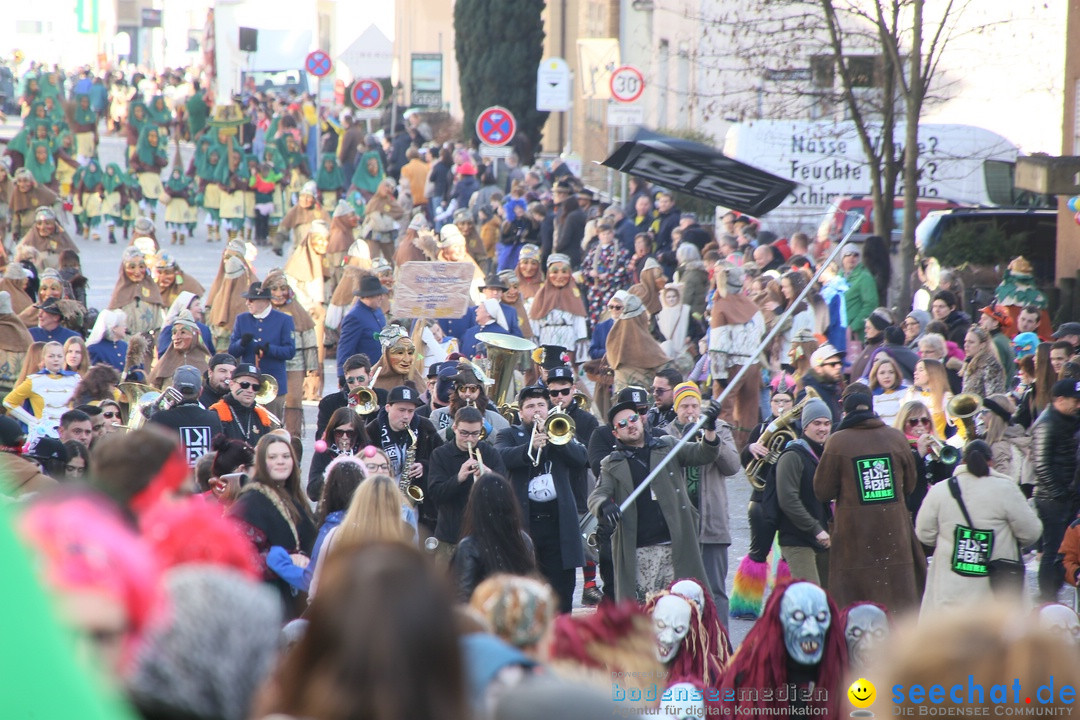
x=139 y=397
x=503 y=353
x=777 y=435
x=963 y=408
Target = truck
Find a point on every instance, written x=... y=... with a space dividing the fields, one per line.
x=962 y=164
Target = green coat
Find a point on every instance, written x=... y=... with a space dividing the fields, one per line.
x=861 y=298
x=616 y=483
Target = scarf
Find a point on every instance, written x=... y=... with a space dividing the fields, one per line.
x=855 y=418
x=147 y=153
x=395 y=443
x=630 y=344
x=92 y=176
x=302 y=320
x=57 y=243
x=362 y=179
x=197 y=356
x=732 y=309
x=529 y=286
x=341 y=237
x=332 y=179
x=84 y=115
x=550 y=298
x=43 y=171
x=389 y=378
x=32 y=199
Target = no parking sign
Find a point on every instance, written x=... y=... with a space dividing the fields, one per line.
x=496 y=126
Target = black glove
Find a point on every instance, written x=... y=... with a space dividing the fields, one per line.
x=263 y=347
x=611 y=513
x=710 y=415
x=246 y=339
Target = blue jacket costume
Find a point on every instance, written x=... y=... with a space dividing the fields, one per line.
x=358 y=335
x=273 y=335
x=458 y=327
x=112 y=352
x=60 y=334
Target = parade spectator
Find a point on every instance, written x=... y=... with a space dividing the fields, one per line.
x=1053 y=452
x=946 y=308
x=861 y=297
x=826 y=377
x=868 y=470
x=888 y=387
x=983 y=373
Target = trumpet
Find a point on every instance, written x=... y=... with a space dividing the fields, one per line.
x=942 y=452
x=363 y=400
x=582 y=401
x=474 y=453
x=559 y=428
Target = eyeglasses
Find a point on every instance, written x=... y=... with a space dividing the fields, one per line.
x=909 y=323
x=75 y=469
x=919 y=421
x=344 y=432
x=660 y=391
x=110 y=414
x=358 y=380
x=377 y=467
x=557 y=393
x=632 y=419
x=244 y=385
x=468 y=388
x=468 y=434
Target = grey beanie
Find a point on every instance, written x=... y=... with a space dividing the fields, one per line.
x=214 y=650
x=814 y=410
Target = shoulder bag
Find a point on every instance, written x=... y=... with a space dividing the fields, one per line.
x=1006 y=576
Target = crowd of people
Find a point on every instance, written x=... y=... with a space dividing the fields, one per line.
x=435 y=558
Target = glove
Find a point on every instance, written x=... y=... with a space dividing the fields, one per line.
x=246 y=339
x=710 y=415
x=611 y=513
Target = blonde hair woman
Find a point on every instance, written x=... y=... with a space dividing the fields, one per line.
x=983 y=373
x=374 y=515
x=914 y=420
x=930 y=384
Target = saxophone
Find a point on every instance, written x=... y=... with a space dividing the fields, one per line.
x=414 y=493
x=777 y=435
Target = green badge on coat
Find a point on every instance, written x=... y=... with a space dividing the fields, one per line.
x=971 y=551
x=875 y=478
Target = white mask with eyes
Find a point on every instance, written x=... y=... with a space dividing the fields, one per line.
x=671 y=623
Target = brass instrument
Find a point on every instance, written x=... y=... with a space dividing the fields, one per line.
x=414 y=493
x=777 y=435
x=510 y=412
x=582 y=401
x=529 y=447
x=560 y=427
x=503 y=353
x=144 y=400
x=964 y=407
x=363 y=400
x=474 y=453
x=267 y=391
x=945 y=453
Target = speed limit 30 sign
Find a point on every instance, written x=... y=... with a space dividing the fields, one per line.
x=627 y=84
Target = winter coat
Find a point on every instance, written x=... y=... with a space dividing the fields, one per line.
x=712 y=482
x=860 y=299
x=447 y=494
x=958 y=322
x=1053 y=452
x=616 y=483
x=467 y=566
x=869 y=470
x=512 y=444
x=427 y=439
x=985 y=376
x=995 y=504
x=802 y=516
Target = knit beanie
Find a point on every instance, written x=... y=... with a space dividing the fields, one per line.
x=880 y=319
x=683 y=391
x=815 y=409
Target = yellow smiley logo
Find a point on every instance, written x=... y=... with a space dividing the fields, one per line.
x=862 y=693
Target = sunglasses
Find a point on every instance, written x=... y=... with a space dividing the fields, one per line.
x=244 y=385
x=632 y=419
x=356 y=380
x=110 y=414
x=919 y=421
x=468 y=388
x=660 y=391
x=344 y=432
x=614 y=307
x=557 y=393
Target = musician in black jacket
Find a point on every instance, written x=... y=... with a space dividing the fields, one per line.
x=357 y=369
x=452 y=471
x=540 y=475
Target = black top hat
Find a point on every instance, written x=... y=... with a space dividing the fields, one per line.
x=370 y=287
x=495 y=282
x=256 y=291
x=404 y=393
x=552 y=356
x=50 y=306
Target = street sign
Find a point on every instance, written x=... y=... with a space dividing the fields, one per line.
x=621 y=114
x=367 y=93
x=318 y=63
x=627 y=84
x=553 y=85
x=426 y=73
x=370 y=55
x=374 y=114
x=496 y=126
x=490 y=151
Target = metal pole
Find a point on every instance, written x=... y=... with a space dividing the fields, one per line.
x=738 y=376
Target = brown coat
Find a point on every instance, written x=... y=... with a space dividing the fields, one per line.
x=874 y=555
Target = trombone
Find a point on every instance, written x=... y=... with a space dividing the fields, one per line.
x=560 y=429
